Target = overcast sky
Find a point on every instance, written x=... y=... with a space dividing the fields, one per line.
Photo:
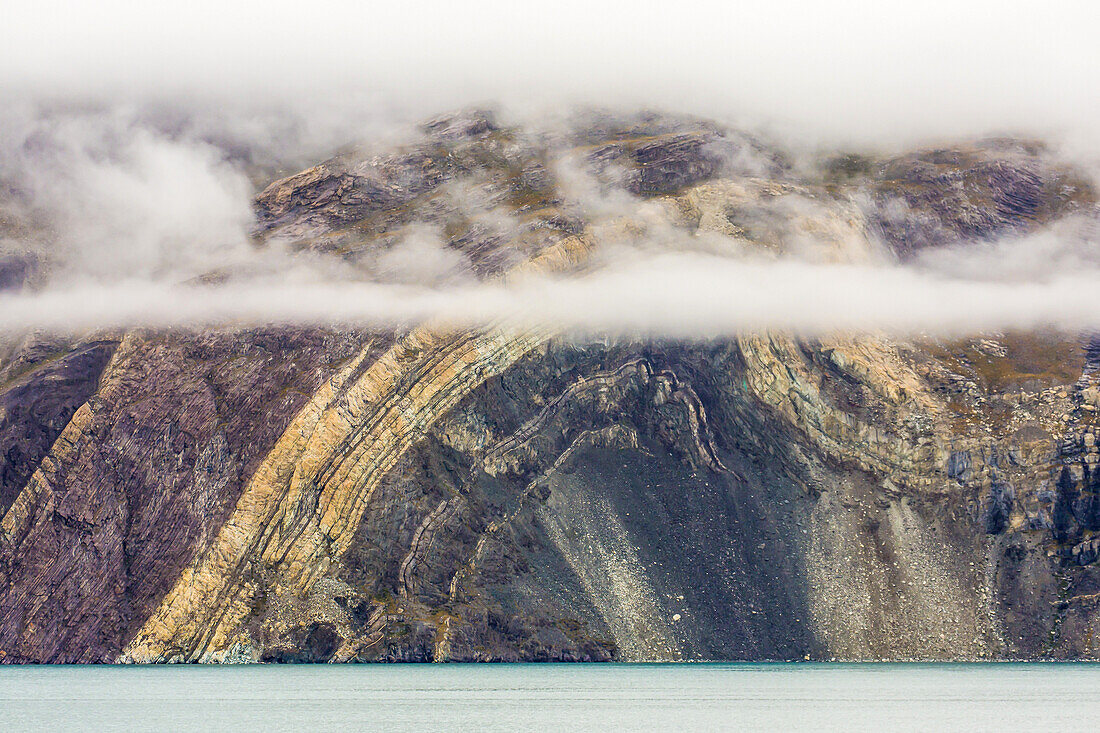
x=857 y=69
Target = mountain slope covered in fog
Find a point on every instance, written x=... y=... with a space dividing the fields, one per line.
x=535 y=441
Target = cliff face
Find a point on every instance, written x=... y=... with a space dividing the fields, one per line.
x=305 y=494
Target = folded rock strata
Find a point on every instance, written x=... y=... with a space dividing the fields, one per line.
x=309 y=494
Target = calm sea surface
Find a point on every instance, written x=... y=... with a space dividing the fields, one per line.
x=554 y=697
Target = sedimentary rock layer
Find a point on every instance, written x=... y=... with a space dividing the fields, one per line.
x=311 y=494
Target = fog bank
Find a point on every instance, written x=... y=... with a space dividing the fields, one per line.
x=134 y=137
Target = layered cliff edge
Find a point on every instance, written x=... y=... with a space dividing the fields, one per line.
x=338 y=494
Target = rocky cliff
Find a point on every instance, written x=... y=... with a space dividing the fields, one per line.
x=433 y=493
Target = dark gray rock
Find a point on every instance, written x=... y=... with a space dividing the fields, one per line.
x=936 y=197
x=461 y=125
x=37 y=406
x=16 y=270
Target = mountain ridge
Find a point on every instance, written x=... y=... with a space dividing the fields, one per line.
x=293 y=493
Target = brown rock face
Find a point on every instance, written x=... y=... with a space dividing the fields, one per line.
x=15 y=270
x=36 y=406
x=932 y=198
x=501 y=494
x=144 y=474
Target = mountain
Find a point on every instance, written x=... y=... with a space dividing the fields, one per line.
x=430 y=493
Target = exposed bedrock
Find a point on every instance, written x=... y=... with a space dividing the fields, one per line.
x=506 y=493
x=141 y=477
x=46 y=382
x=754 y=499
x=622 y=501
x=992 y=189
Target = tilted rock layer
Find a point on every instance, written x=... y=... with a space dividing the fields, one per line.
x=308 y=494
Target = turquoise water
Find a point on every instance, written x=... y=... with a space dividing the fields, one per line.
x=780 y=697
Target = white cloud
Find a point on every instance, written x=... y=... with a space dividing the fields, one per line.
x=686 y=294
x=133 y=130
x=842 y=68
x=421 y=257
x=123 y=199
